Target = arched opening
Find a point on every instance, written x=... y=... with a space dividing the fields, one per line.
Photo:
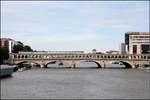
x=88 y=64
x=22 y=56
x=26 y=56
x=127 y=65
x=117 y=64
x=57 y=64
x=27 y=65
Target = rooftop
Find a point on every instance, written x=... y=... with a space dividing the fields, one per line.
x=138 y=33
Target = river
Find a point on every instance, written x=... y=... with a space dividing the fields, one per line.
x=86 y=83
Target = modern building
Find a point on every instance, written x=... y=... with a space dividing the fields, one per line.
x=7 y=42
x=137 y=42
x=122 y=48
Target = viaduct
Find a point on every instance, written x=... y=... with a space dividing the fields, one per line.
x=129 y=60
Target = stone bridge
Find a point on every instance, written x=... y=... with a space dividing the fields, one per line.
x=129 y=60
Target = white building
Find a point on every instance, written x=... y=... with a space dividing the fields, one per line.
x=7 y=42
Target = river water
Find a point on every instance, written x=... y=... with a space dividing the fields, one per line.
x=86 y=83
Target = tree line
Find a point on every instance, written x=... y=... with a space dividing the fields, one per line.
x=21 y=47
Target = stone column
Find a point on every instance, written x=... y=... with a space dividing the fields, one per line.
x=102 y=64
x=42 y=64
x=72 y=64
x=138 y=49
x=133 y=66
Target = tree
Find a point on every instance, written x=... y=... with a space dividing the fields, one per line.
x=20 y=43
x=99 y=53
x=27 y=48
x=18 y=48
x=4 y=53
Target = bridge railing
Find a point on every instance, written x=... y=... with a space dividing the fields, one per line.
x=17 y=56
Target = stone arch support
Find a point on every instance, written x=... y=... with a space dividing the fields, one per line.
x=129 y=64
x=70 y=62
x=96 y=62
x=102 y=63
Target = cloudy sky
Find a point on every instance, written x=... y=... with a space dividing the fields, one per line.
x=73 y=25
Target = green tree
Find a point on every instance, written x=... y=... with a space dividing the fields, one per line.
x=27 y=48
x=18 y=48
x=20 y=43
x=4 y=53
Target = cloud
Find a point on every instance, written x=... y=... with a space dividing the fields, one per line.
x=56 y=38
x=88 y=23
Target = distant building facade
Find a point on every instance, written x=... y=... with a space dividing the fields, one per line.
x=112 y=52
x=7 y=42
x=94 y=51
x=52 y=52
x=137 y=42
x=122 y=48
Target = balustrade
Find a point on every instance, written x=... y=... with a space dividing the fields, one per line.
x=99 y=56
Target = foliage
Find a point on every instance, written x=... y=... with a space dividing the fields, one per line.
x=99 y=53
x=20 y=43
x=27 y=48
x=17 y=48
x=20 y=47
x=4 y=53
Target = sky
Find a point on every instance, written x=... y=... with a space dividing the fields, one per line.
x=73 y=25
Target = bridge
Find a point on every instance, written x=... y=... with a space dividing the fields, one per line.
x=129 y=60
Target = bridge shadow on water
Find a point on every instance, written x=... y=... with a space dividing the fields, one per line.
x=6 y=77
x=87 y=68
x=58 y=67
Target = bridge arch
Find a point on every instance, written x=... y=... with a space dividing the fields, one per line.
x=31 y=63
x=58 y=64
x=97 y=63
x=125 y=63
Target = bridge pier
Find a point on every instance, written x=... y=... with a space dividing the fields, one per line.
x=133 y=65
x=72 y=65
x=102 y=64
x=42 y=64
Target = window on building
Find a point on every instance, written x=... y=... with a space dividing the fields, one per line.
x=134 y=49
x=145 y=49
x=6 y=43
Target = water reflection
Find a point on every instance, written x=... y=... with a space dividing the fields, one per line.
x=58 y=64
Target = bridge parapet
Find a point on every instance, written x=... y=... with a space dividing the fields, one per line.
x=16 y=56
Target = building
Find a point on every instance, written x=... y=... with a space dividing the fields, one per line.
x=137 y=42
x=122 y=48
x=7 y=42
x=112 y=52
x=94 y=51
